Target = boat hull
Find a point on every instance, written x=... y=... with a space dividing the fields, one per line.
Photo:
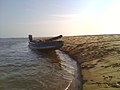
x=46 y=45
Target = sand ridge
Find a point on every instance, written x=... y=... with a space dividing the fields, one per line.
x=99 y=59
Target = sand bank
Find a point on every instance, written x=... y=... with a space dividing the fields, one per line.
x=99 y=60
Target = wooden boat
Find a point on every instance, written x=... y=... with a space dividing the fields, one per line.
x=48 y=44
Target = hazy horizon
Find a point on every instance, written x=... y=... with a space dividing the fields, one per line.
x=43 y=18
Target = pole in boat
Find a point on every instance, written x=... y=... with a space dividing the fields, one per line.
x=30 y=38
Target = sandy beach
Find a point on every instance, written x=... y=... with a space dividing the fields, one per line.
x=99 y=60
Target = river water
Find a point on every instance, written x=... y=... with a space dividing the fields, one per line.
x=24 y=69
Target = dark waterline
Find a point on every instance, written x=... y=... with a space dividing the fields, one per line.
x=24 y=69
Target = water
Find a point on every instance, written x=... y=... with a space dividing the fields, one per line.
x=24 y=69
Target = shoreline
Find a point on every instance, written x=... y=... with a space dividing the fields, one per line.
x=96 y=55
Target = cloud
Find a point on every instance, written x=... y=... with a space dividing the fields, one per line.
x=88 y=21
x=65 y=15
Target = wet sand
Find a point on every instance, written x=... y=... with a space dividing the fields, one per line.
x=99 y=60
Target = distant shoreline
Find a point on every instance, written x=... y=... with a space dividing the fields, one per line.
x=64 y=36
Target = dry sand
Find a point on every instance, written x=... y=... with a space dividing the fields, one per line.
x=99 y=59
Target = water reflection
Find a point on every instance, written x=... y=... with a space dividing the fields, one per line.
x=63 y=70
x=24 y=69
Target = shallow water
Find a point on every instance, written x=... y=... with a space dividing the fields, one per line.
x=24 y=69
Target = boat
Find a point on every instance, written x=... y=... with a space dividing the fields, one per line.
x=49 y=44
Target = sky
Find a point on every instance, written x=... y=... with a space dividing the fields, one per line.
x=42 y=18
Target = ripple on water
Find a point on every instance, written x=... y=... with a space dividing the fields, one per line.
x=24 y=69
